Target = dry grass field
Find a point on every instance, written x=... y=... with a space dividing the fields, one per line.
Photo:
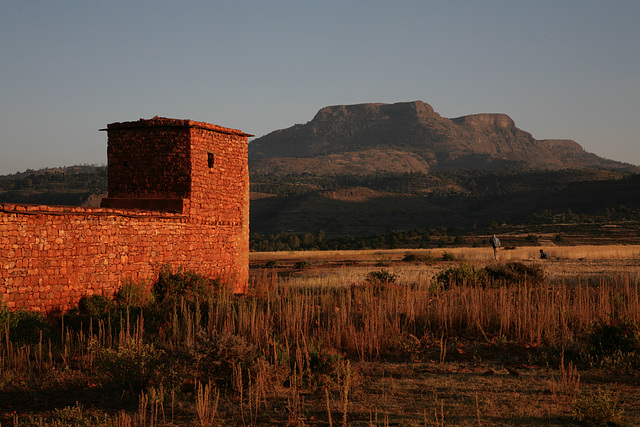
x=569 y=263
x=490 y=379
x=359 y=338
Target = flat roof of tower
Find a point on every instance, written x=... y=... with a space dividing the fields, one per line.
x=167 y=122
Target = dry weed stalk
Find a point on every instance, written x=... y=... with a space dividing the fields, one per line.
x=443 y=348
x=439 y=415
x=344 y=391
x=294 y=404
x=207 y=398
x=257 y=392
x=140 y=418
x=328 y=403
x=123 y=419
x=566 y=390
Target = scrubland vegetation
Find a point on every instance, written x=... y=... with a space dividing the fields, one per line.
x=353 y=338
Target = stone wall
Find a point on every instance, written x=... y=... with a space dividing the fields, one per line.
x=178 y=196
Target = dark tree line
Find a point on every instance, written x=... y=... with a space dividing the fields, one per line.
x=434 y=238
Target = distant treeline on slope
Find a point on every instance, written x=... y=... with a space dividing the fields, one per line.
x=50 y=185
x=567 y=228
x=72 y=185
x=475 y=182
x=378 y=203
x=374 y=205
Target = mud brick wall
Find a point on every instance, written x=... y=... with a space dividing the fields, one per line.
x=178 y=195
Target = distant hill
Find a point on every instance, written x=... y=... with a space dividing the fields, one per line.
x=371 y=168
x=412 y=137
x=72 y=185
x=368 y=204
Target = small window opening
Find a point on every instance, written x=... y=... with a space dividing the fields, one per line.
x=210 y=160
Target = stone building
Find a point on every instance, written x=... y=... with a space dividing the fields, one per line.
x=178 y=196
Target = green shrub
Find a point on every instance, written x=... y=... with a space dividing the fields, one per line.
x=448 y=256
x=418 y=258
x=301 y=265
x=134 y=295
x=96 y=306
x=133 y=366
x=492 y=274
x=28 y=326
x=514 y=272
x=380 y=277
x=462 y=274
x=218 y=357
x=607 y=338
x=326 y=367
x=460 y=241
x=187 y=284
x=596 y=407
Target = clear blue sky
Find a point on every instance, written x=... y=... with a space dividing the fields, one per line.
x=560 y=69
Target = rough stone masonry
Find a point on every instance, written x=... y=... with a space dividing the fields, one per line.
x=178 y=196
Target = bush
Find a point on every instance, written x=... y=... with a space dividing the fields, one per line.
x=27 y=326
x=418 y=258
x=380 y=277
x=301 y=265
x=188 y=284
x=496 y=274
x=96 y=306
x=326 y=367
x=459 y=241
x=596 y=406
x=218 y=358
x=532 y=238
x=132 y=366
x=134 y=295
x=606 y=339
x=514 y=272
x=448 y=256
x=463 y=274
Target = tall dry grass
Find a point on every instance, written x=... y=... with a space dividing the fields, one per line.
x=359 y=320
x=284 y=326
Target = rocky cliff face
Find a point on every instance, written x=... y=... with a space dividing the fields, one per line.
x=411 y=136
x=496 y=120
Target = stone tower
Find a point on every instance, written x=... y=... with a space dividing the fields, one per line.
x=181 y=166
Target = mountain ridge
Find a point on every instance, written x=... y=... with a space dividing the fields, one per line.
x=343 y=135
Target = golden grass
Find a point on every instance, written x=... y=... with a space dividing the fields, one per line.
x=524 y=253
x=343 y=268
